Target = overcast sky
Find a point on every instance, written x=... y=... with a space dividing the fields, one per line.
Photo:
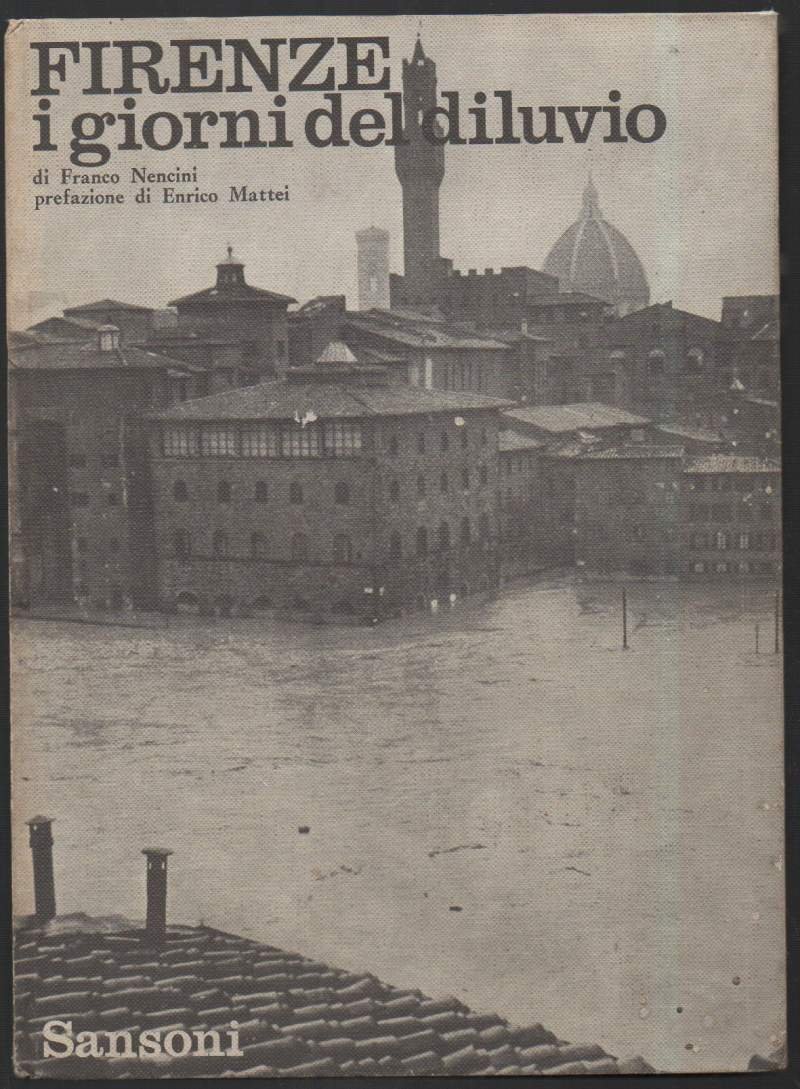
x=699 y=206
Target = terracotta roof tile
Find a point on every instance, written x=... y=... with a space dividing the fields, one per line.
x=295 y=1017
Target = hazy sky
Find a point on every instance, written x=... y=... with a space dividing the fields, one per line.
x=699 y=206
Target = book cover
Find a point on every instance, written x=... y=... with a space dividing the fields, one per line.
x=395 y=545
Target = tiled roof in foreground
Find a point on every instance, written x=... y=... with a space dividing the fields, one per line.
x=297 y=1017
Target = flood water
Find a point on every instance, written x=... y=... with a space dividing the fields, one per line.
x=609 y=822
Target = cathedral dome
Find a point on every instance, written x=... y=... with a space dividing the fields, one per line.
x=594 y=257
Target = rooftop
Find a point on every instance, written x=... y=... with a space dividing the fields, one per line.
x=634 y=452
x=278 y=400
x=107 y=304
x=687 y=431
x=45 y=354
x=587 y=415
x=732 y=463
x=416 y=333
x=509 y=441
x=297 y=1017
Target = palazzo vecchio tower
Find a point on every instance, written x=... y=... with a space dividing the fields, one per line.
x=420 y=169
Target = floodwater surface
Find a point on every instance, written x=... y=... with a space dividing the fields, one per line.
x=608 y=823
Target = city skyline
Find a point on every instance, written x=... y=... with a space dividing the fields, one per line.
x=685 y=203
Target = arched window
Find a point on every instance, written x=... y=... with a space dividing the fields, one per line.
x=299 y=548
x=444 y=484
x=223 y=492
x=180 y=491
x=341 y=492
x=395 y=546
x=258 y=546
x=466 y=531
x=182 y=544
x=220 y=544
x=261 y=491
x=422 y=541
x=394 y=489
x=445 y=442
x=420 y=485
x=295 y=492
x=444 y=537
x=342 y=549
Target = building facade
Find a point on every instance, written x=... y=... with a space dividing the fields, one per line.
x=332 y=491
x=731 y=517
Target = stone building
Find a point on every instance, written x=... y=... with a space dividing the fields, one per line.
x=627 y=509
x=373 y=268
x=594 y=257
x=79 y=483
x=731 y=516
x=331 y=490
x=251 y=319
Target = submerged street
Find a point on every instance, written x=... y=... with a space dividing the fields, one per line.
x=501 y=803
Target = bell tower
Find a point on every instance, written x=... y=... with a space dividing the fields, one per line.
x=419 y=165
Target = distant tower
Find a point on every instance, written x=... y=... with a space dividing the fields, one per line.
x=420 y=168
x=373 y=268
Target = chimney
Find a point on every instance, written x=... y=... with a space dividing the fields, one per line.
x=156 y=925
x=44 y=889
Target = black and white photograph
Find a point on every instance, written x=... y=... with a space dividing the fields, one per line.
x=395 y=551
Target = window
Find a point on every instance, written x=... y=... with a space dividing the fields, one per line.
x=82 y=544
x=420 y=485
x=444 y=442
x=260 y=441
x=464 y=438
x=218 y=440
x=342 y=549
x=301 y=442
x=694 y=360
x=483 y=526
x=295 y=492
x=258 y=546
x=465 y=534
x=484 y=437
x=394 y=489
x=180 y=491
x=656 y=362
x=422 y=541
x=744 y=541
x=112 y=499
x=699 y=567
x=393 y=446
x=223 y=492
x=395 y=546
x=182 y=545
x=79 y=499
x=342 y=439
x=421 y=442
x=722 y=541
x=484 y=475
x=444 y=537
x=219 y=544
x=179 y=442
x=721 y=568
x=261 y=491
x=113 y=545
x=444 y=484
x=299 y=548
x=341 y=492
